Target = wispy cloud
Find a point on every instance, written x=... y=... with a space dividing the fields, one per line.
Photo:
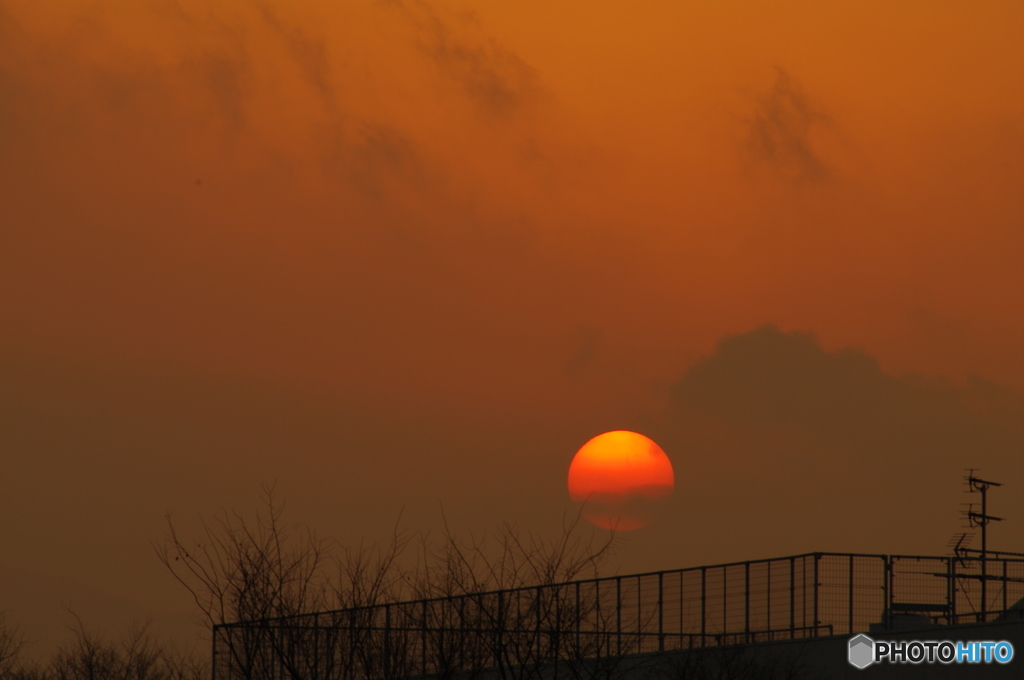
x=308 y=51
x=497 y=79
x=781 y=130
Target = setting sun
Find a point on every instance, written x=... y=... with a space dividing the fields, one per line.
x=620 y=477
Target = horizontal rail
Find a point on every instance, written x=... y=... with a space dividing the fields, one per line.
x=563 y=584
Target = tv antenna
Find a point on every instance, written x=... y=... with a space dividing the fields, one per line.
x=959 y=543
x=981 y=519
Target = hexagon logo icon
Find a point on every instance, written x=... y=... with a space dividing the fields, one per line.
x=862 y=651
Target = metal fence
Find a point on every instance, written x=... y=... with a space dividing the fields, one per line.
x=611 y=618
x=948 y=590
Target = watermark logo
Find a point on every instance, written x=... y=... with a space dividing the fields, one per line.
x=864 y=651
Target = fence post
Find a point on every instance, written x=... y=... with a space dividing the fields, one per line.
x=618 y=612
x=887 y=584
x=746 y=600
x=952 y=576
x=951 y=590
x=316 y=646
x=680 y=610
x=276 y=633
x=423 y=639
x=537 y=634
x=231 y=660
x=660 y=610
x=639 y=613
x=387 y=641
x=213 y=654
x=792 y=597
x=703 y=603
x=1005 y=582
x=352 y=661
x=557 y=630
x=579 y=623
x=816 y=557
x=850 y=628
x=725 y=600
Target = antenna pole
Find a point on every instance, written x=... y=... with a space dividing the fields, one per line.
x=984 y=549
x=982 y=519
x=984 y=525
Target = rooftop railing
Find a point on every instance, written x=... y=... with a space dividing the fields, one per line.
x=604 y=620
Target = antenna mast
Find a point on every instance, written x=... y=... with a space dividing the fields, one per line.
x=977 y=485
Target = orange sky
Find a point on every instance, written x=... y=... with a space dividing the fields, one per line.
x=403 y=254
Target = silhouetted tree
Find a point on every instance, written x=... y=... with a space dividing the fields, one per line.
x=136 y=656
x=500 y=605
x=11 y=642
x=247 y=570
x=302 y=621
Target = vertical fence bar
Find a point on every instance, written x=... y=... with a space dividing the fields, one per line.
x=725 y=600
x=1005 y=582
x=951 y=577
x=213 y=655
x=703 y=603
x=316 y=645
x=537 y=634
x=280 y=649
x=618 y=612
x=792 y=597
x=803 y=596
x=888 y=581
x=351 y=642
x=746 y=600
x=579 y=623
x=768 y=596
x=231 y=662
x=442 y=659
x=680 y=610
x=850 y=626
x=660 y=610
x=557 y=630
x=639 y=613
x=463 y=630
x=423 y=636
x=387 y=641
x=816 y=557
x=950 y=590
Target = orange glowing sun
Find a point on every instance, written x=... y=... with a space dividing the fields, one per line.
x=620 y=477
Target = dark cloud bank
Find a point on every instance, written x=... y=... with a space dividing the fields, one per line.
x=785 y=447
